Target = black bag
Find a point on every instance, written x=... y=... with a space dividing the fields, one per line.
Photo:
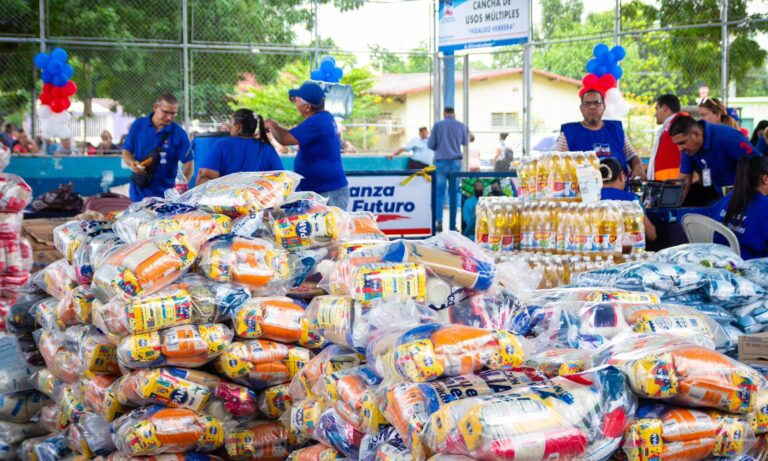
x=142 y=180
x=62 y=199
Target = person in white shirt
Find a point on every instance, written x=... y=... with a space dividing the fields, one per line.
x=665 y=156
x=422 y=156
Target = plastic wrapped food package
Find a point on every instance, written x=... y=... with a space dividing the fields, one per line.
x=213 y=301
x=386 y=445
x=277 y=318
x=14 y=257
x=307 y=224
x=21 y=317
x=666 y=368
x=13 y=433
x=163 y=387
x=15 y=194
x=361 y=227
x=90 y=256
x=57 y=279
x=499 y=311
x=559 y=362
x=68 y=238
x=317 y=452
x=590 y=294
x=240 y=194
x=333 y=431
x=15 y=373
x=352 y=394
x=663 y=279
x=232 y=401
x=408 y=406
x=275 y=401
x=671 y=433
x=262 y=440
x=208 y=225
x=10 y=225
x=709 y=255
x=565 y=418
x=756 y=270
x=156 y=430
x=255 y=263
x=144 y=267
x=64 y=364
x=74 y=307
x=147 y=210
x=71 y=403
x=260 y=363
x=97 y=354
x=432 y=351
x=380 y=281
x=20 y=407
x=50 y=447
x=330 y=360
x=184 y=346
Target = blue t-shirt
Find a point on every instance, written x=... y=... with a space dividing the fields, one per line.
x=447 y=138
x=723 y=147
x=751 y=229
x=319 y=156
x=142 y=139
x=609 y=193
x=236 y=154
x=608 y=141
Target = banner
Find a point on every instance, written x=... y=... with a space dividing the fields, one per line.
x=482 y=23
x=402 y=209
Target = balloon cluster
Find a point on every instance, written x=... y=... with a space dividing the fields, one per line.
x=56 y=75
x=328 y=72
x=603 y=73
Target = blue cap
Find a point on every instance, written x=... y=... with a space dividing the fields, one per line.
x=310 y=92
x=734 y=114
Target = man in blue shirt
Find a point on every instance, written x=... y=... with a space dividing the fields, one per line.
x=319 y=156
x=422 y=156
x=605 y=137
x=447 y=138
x=158 y=131
x=713 y=149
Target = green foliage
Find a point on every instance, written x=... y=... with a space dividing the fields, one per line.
x=387 y=62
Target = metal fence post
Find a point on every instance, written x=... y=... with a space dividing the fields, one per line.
x=465 y=96
x=438 y=91
x=185 y=59
x=617 y=30
x=317 y=37
x=528 y=83
x=724 y=51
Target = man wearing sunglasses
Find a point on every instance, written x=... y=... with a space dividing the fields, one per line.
x=319 y=156
x=605 y=137
x=159 y=137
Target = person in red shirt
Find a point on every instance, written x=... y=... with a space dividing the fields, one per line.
x=24 y=145
x=665 y=157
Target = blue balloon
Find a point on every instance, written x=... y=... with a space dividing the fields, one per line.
x=607 y=58
x=59 y=80
x=616 y=71
x=619 y=52
x=68 y=71
x=600 y=49
x=59 y=54
x=41 y=60
x=46 y=77
x=338 y=74
x=317 y=74
x=601 y=70
x=329 y=58
x=327 y=66
x=592 y=66
x=54 y=67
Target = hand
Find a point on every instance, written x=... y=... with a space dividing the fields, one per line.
x=639 y=172
x=270 y=124
x=136 y=167
x=390 y=156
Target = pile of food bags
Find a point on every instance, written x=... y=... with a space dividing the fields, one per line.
x=246 y=321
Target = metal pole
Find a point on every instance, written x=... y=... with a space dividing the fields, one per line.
x=185 y=59
x=438 y=91
x=317 y=38
x=528 y=83
x=465 y=96
x=724 y=52
x=617 y=29
x=33 y=104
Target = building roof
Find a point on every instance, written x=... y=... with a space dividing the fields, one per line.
x=405 y=84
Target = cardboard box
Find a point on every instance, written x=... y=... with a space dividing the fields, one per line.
x=39 y=232
x=753 y=349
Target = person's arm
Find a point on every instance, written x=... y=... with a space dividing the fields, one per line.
x=686 y=178
x=634 y=161
x=464 y=136
x=432 y=141
x=281 y=135
x=650 y=229
x=562 y=144
x=188 y=168
x=132 y=163
x=204 y=175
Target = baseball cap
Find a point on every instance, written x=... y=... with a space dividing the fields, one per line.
x=310 y=92
x=734 y=114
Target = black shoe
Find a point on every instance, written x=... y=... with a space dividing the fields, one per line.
x=439 y=227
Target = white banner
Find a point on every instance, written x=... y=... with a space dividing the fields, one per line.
x=400 y=209
x=482 y=23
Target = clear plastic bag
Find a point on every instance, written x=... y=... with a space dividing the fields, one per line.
x=380 y=281
x=163 y=387
x=75 y=307
x=71 y=403
x=243 y=193
x=262 y=440
x=307 y=224
x=433 y=351
x=150 y=208
x=260 y=363
x=44 y=381
x=10 y=225
x=57 y=279
x=155 y=430
x=666 y=368
x=232 y=401
x=663 y=279
x=90 y=256
x=709 y=255
x=386 y=445
x=332 y=359
x=352 y=393
x=255 y=263
x=198 y=222
x=95 y=433
x=498 y=311
x=559 y=362
x=145 y=267
x=536 y=421
x=277 y=318
x=15 y=372
x=68 y=238
x=213 y=301
x=598 y=295
x=333 y=431
x=362 y=227
x=756 y=270
x=184 y=346
x=671 y=433
x=317 y=452
x=13 y=433
x=52 y=447
x=408 y=406
x=15 y=194
x=275 y=401
x=64 y=364
x=21 y=316
x=97 y=354
x=254 y=225
x=13 y=260
x=20 y=407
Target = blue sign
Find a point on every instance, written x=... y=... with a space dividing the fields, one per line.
x=466 y=24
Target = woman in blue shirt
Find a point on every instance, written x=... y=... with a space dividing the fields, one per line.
x=248 y=149
x=744 y=209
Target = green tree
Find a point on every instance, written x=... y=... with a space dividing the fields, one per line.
x=416 y=60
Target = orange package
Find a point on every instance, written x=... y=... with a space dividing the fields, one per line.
x=683 y=424
x=277 y=318
x=261 y=363
x=265 y=441
x=256 y=263
x=688 y=450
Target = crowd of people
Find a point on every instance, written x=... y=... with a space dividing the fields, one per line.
x=17 y=141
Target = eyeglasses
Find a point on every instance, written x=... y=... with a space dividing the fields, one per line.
x=591 y=104
x=168 y=113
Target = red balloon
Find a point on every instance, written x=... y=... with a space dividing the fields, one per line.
x=47 y=87
x=590 y=80
x=45 y=98
x=66 y=103
x=57 y=92
x=607 y=81
x=70 y=88
x=58 y=105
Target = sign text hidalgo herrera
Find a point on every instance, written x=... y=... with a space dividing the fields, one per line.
x=401 y=209
x=482 y=23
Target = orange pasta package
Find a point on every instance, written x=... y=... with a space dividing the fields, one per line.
x=156 y=430
x=56 y=279
x=262 y=440
x=146 y=266
x=255 y=263
x=667 y=368
x=330 y=360
x=277 y=318
x=261 y=363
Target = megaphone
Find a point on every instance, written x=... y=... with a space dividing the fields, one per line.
x=339 y=99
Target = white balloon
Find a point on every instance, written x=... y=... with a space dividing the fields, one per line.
x=44 y=112
x=616 y=107
x=612 y=96
x=55 y=125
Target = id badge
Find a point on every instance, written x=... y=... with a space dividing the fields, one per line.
x=706 y=177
